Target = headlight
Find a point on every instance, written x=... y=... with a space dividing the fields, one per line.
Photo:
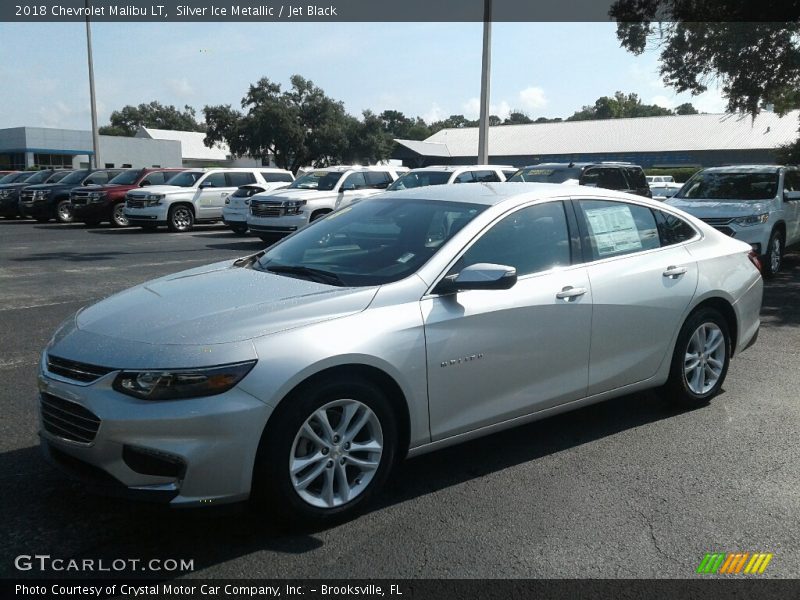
x=247 y=202
x=752 y=220
x=41 y=193
x=294 y=207
x=181 y=383
x=96 y=196
x=5 y=193
x=153 y=199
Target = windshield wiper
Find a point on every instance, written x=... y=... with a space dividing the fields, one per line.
x=317 y=275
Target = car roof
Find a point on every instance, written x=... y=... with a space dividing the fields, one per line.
x=746 y=169
x=581 y=165
x=451 y=168
x=493 y=193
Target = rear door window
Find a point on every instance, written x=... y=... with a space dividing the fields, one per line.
x=672 y=229
x=378 y=180
x=617 y=228
x=465 y=177
x=239 y=178
x=271 y=177
x=486 y=176
x=214 y=180
x=354 y=181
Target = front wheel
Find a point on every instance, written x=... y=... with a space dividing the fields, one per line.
x=326 y=451
x=64 y=212
x=701 y=358
x=118 y=218
x=239 y=229
x=774 y=256
x=181 y=218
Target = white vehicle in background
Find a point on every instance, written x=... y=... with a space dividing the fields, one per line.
x=757 y=204
x=450 y=174
x=662 y=191
x=659 y=179
x=314 y=195
x=193 y=196
x=237 y=205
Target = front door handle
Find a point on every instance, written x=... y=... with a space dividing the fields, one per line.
x=674 y=272
x=570 y=292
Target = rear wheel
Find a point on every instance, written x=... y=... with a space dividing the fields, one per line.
x=326 y=451
x=181 y=218
x=774 y=256
x=64 y=212
x=239 y=229
x=701 y=358
x=118 y=218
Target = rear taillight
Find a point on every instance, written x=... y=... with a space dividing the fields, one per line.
x=753 y=256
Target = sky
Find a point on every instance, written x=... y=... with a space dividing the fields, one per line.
x=427 y=69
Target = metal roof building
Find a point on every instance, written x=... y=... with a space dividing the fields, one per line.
x=674 y=141
x=194 y=152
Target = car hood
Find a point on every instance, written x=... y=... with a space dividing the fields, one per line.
x=720 y=208
x=218 y=304
x=14 y=186
x=104 y=188
x=295 y=194
x=165 y=189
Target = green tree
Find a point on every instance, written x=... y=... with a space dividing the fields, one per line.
x=126 y=121
x=686 y=109
x=300 y=126
x=619 y=106
x=756 y=63
x=397 y=125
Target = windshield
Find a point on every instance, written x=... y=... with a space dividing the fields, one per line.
x=322 y=181
x=16 y=177
x=546 y=174
x=370 y=243
x=715 y=185
x=39 y=177
x=126 y=177
x=419 y=179
x=185 y=179
x=58 y=176
x=75 y=177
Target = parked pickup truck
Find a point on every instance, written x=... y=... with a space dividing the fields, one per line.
x=11 y=186
x=314 y=195
x=94 y=204
x=51 y=200
x=194 y=196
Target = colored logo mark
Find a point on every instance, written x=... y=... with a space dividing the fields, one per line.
x=734 y=563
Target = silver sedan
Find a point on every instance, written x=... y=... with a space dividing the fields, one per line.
x=299 y=376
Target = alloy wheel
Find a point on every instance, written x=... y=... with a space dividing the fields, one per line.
x=775 y=255
x=64 y=212
x=336 y=453
x=181 y=218
x=118 y=216
x=704 y=359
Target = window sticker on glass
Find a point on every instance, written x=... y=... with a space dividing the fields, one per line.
x=613 y=229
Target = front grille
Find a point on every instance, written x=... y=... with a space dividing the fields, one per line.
x=79 y=198
x=262 y=209
x=134 y=203
x=26 y=196
x=75 y=370
x=68 y=420
x=717 y=222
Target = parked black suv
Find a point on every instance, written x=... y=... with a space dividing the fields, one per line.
x=625 y=177
x=51 y=200
x=10 y=188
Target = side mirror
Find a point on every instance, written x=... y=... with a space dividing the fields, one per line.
x=791 y=196
x=481 y=276
x=206 y=184
x=145 y=183
x=348 y=187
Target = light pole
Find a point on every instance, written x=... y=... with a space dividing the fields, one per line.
x=483 y=125
x=95 y=135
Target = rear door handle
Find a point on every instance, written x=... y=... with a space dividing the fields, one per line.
x=570 y=292
x=675 y=272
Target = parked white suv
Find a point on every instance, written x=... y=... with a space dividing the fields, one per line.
x=445 y=175
x=196 y=195
x=758 y=204
x=314 y=195
x=237 y=204
x=658 y=179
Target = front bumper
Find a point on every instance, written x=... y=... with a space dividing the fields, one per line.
x=284 y=224
x=36 y=208
x=151 y=215
x=197 y=451
x=98 y=210
x=9 y=206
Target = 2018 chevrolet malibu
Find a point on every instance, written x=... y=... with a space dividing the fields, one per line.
x=300 y=375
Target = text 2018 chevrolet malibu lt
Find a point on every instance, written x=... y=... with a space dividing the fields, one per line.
x=407 y=322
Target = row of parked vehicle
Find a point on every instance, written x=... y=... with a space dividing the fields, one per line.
x=759 y=204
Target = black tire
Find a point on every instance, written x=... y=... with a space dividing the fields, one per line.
x=180 y=218
x=678 y=388
x=64 y=212
x=239 y=229
x=273 y=490
x=117 y=217
x=773 y=259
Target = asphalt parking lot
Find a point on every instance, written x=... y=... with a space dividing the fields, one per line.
x=630 y=488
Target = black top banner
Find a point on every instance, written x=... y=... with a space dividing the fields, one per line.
x=397 y=10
